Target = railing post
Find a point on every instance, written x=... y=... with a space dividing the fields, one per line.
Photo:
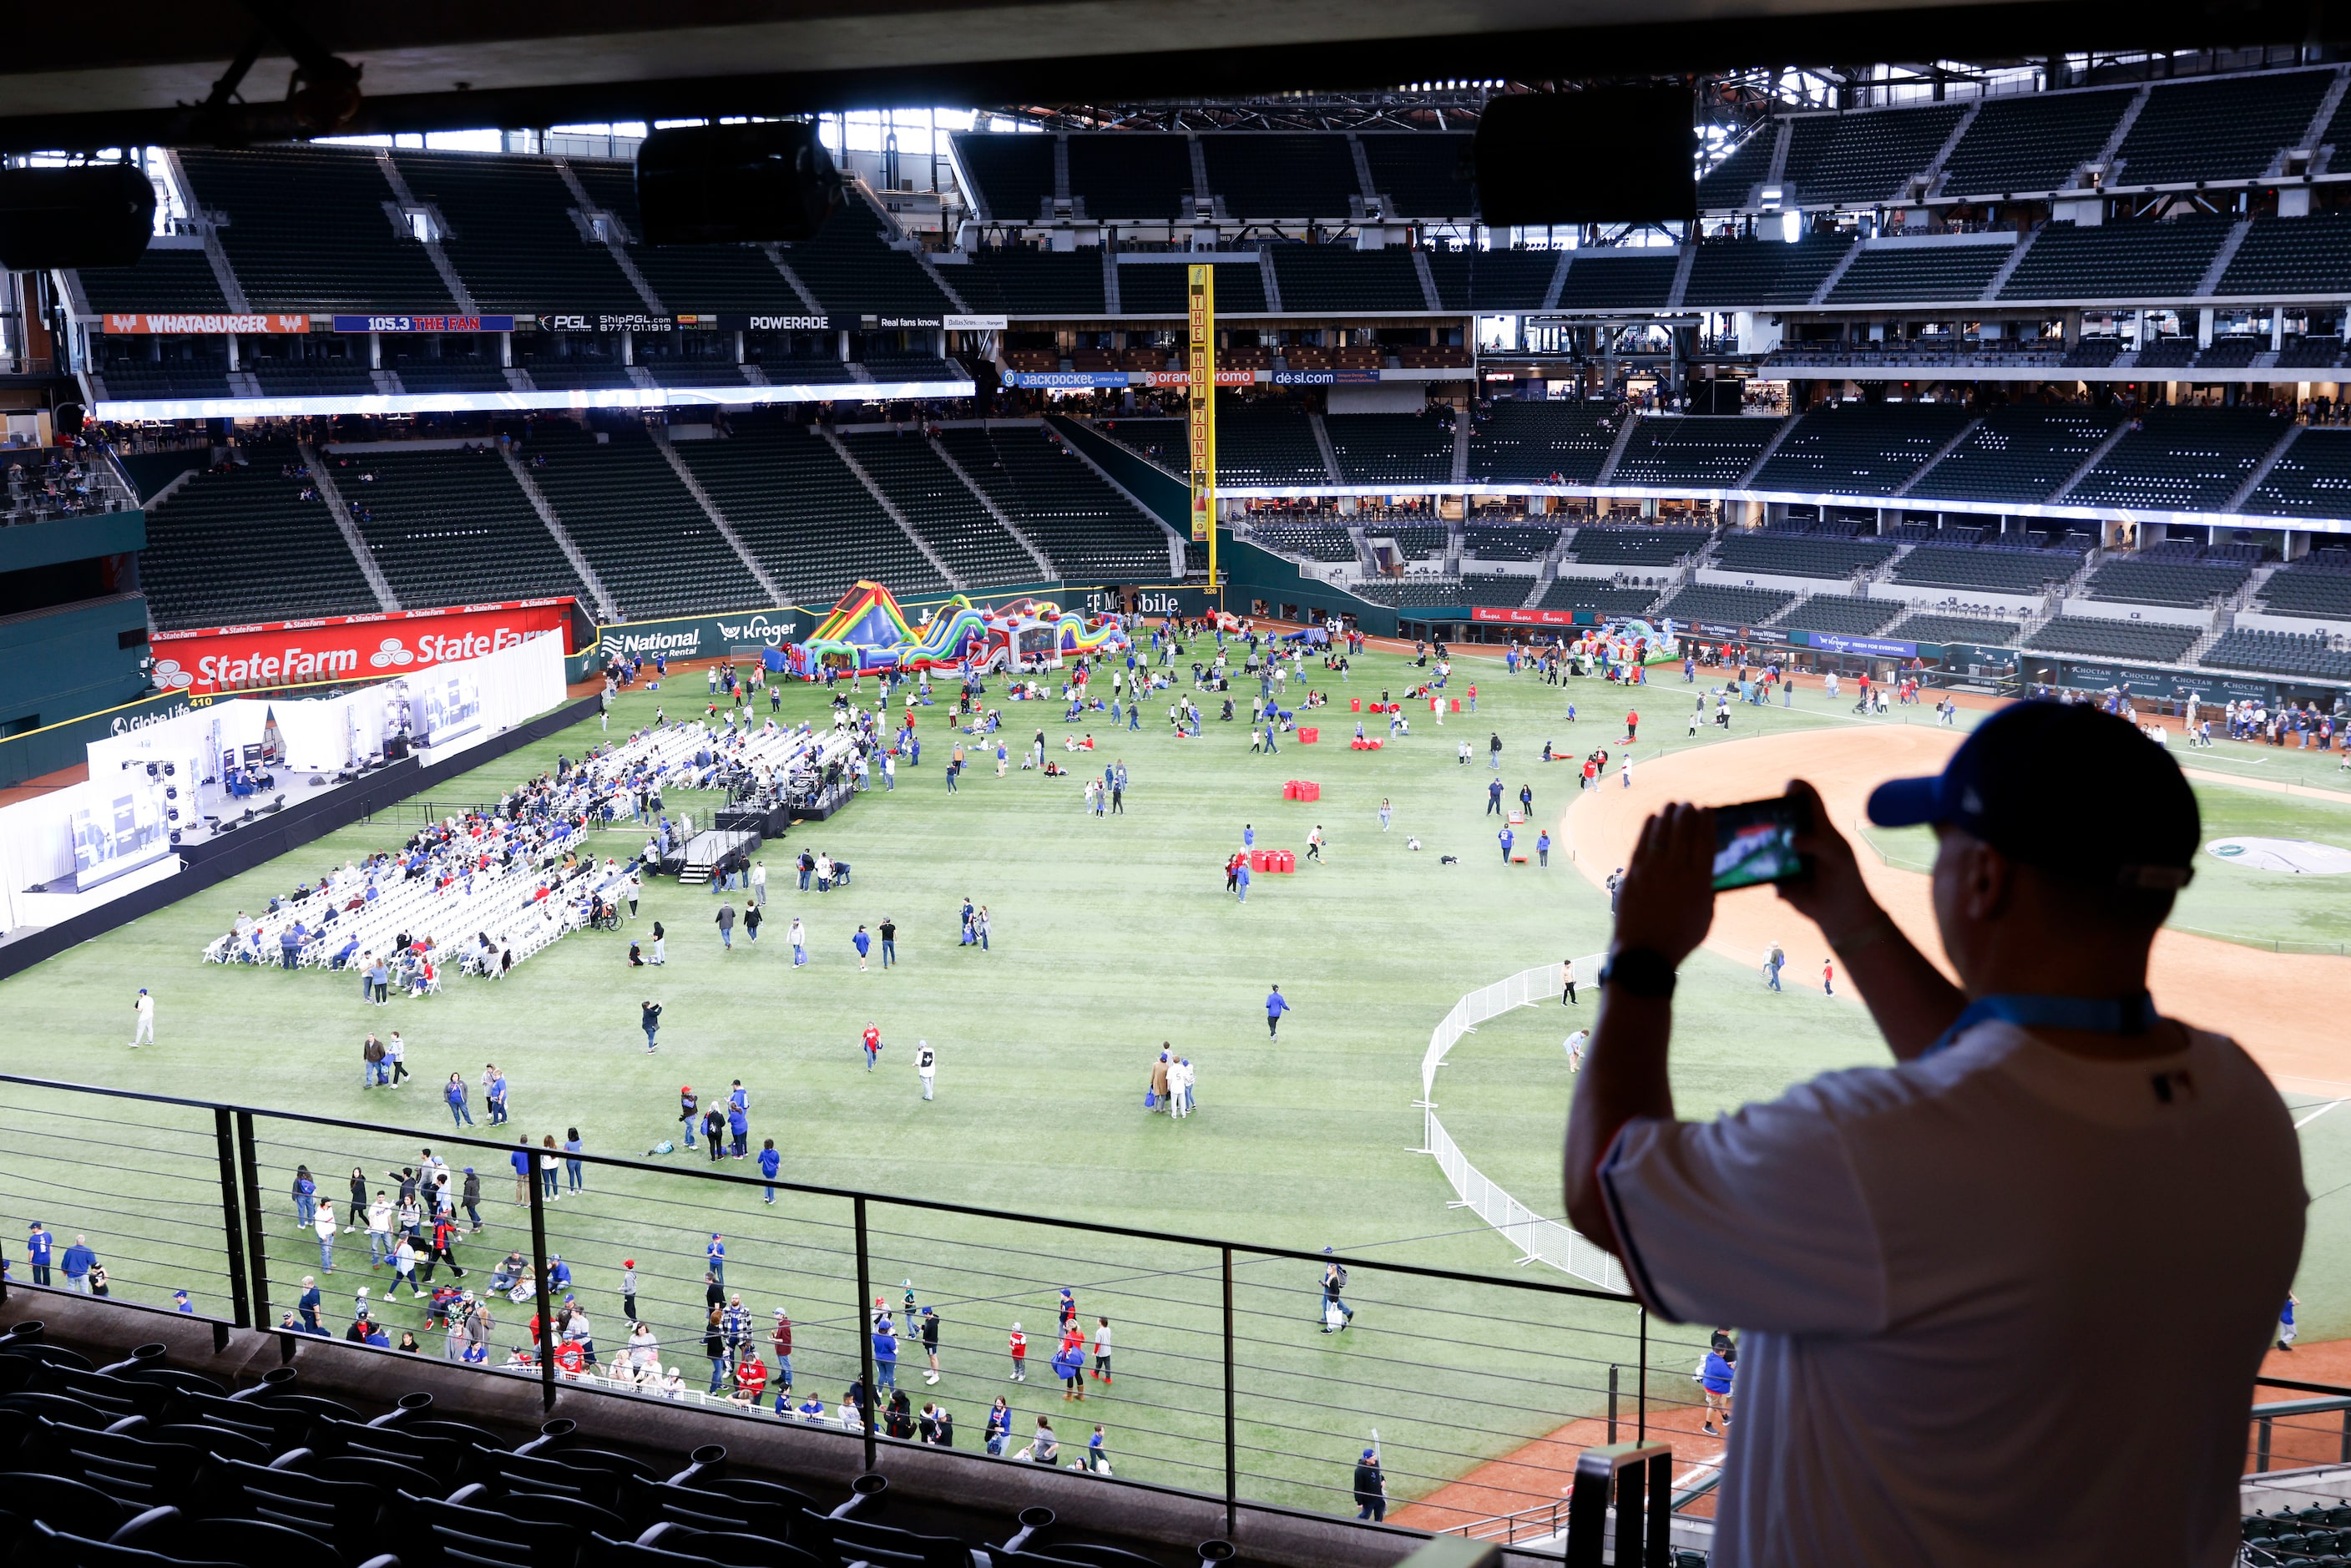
x=864 y=1331
x=1232 y=1448
x=1612 y=1370
x=546 y=1302
x=1641 y=1409
x=2346 y=1434
x=2261 y=1448
x=257 y=1251
x=232 y=1226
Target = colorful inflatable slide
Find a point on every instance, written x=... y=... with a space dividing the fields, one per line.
x=867 y=633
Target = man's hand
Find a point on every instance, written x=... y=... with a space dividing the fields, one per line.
x=1909 y=998
x=1834 y=897
x=1666 y=901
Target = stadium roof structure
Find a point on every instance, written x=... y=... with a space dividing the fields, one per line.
x=213 y=71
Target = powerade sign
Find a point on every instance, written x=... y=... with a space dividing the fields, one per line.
x=1867 y=647
x=425 y=323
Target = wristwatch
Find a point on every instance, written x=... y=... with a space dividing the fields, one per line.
x=1639 y=972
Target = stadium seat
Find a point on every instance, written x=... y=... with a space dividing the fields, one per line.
x=242 y=545
x=1704 y=451
x=644 y=535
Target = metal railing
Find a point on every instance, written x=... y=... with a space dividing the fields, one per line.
x=1537 y=1239
x=1226 y=1377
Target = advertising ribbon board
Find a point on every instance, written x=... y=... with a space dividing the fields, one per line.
x=348 y=647
x=425 y=323
x=215 y=324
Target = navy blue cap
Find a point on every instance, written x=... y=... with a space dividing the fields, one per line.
x=2064 y=787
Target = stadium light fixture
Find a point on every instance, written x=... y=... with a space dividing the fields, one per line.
x=1791 y=227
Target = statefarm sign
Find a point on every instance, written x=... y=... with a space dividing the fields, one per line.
x=349 y=647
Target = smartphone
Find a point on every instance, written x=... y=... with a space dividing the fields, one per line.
x=1756 y=842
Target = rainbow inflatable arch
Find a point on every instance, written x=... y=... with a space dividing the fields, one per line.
x=866 y=633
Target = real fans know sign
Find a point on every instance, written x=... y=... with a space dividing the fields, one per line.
x=348 y=647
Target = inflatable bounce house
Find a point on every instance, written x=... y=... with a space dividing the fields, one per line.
x=866 y=633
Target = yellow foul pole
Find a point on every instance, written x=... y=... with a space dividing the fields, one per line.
x=1202 y=363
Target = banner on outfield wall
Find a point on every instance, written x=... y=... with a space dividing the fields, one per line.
x=1756 y=636
x=705 y=636
x=1508 y=616
x=215 y=324
x=349 y=647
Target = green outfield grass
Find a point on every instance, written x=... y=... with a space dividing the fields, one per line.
x=1109 y=936
x=2278 y=911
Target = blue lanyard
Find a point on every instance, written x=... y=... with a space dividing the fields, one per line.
x=2093 y=1015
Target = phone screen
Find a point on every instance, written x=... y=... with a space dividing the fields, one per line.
x=1755 y=842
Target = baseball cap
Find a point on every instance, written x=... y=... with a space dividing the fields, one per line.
x=2064 y=787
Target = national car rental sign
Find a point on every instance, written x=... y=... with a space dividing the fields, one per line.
x=348 y=647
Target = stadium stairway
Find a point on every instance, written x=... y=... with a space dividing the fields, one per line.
x=340 y=511
x=606 y=609
x=717 y=517
x=882 y=498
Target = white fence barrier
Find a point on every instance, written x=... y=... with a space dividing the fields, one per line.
x=1539 y=1241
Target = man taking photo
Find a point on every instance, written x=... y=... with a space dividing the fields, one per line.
x=1929 y=1258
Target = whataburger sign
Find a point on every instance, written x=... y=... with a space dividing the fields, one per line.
x=206 y=325
x=348 y=647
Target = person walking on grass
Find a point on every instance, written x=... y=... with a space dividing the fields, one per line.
x=324 y=1227
x=797 y=938
x=889 y=933
x=725 y=921
x=930 y=1332
x=926 y=1066
x=1276 y=1004
x=142 y=1012
x=1019 y=1344
x=871 y=1043
x=650 y=1021
x=769 y=1162
x=520 y=1161
x=455 y=1094
x=1370 y=1488
x=864 y=945
x=1386 y=814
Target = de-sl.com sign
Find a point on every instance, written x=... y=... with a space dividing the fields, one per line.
x=348 y=647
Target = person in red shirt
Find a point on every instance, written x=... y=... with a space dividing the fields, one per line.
x=1632 y=726
x=1020 y=1355
x=782 y=1339
x=872 y=1044
x=750 y=1378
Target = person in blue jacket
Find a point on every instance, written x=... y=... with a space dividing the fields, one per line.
x=1276 y=1004
x=305 y=1199
x=768 y=1161
x=1714 y=1376
x=717 y=1253
x=886 y=1356
x=520 y=1160
x=38 y=1245
x=739 y=1129
x=1070 y=1367
x=78 y=1260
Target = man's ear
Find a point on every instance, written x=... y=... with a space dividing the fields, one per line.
x=1989 y=881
